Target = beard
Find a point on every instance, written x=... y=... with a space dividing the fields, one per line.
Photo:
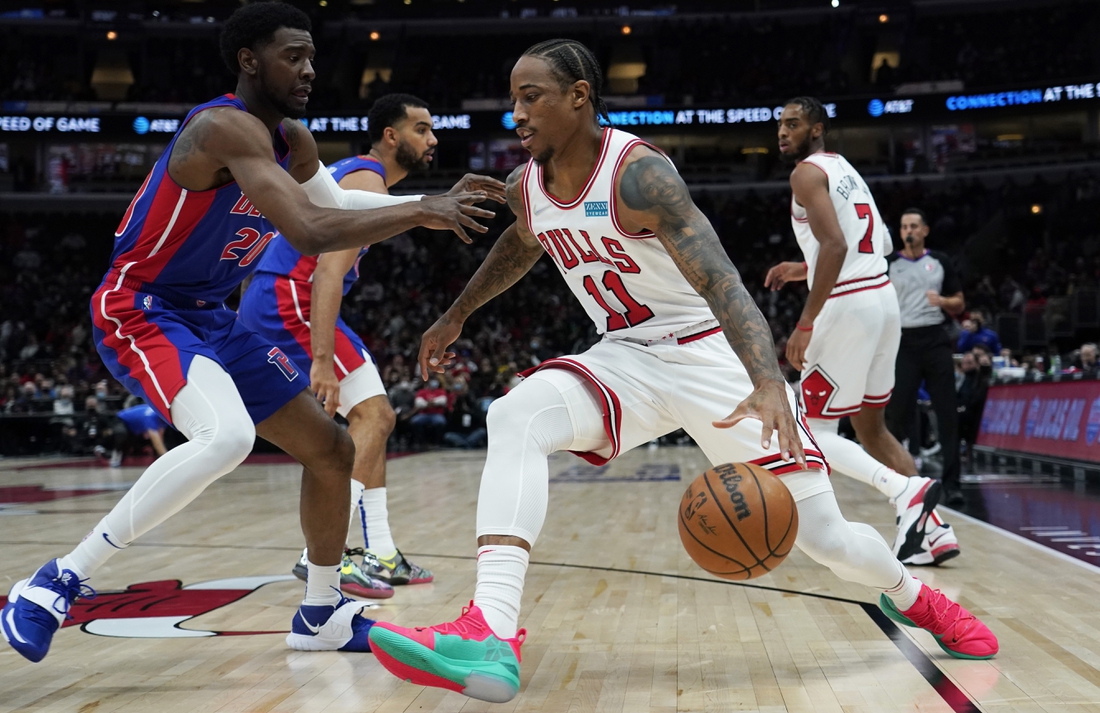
x=279 y=102
x=545 y=156
x=800 y=152
x=408 y=159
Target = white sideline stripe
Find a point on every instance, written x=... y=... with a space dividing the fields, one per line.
x=133 y=345
x=1020 y=538
x=121 y=276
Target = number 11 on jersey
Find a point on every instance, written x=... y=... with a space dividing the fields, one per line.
x=636 y=313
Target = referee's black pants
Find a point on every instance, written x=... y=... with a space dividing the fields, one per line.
x=925 y=354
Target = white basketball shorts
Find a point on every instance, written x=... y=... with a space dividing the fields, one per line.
x=849 y=364
x=648 y=391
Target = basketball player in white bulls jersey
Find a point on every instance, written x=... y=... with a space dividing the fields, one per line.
x=846 y=341
x=683 y=346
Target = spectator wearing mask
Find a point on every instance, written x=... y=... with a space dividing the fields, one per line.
x=975 y=332
x=430 y=419
x=466 y=423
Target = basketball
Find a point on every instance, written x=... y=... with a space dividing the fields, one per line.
x=738 y=521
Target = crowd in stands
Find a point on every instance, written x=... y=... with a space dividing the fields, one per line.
x=736 y=57
x=49 y=267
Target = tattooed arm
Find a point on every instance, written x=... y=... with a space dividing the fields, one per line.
x=515 y=252
x=222 y=145
x=655 y=198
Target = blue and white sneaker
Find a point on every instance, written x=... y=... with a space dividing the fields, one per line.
x=330 y=628
x=37 y=607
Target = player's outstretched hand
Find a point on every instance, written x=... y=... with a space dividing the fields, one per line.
x=454 y=211
x=324 y=385
x=434 y=356
x=492 y=188
x=783 y=273
x=768 y=404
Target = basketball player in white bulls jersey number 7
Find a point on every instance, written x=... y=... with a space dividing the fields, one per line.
x=683 y=346
x=846 y=341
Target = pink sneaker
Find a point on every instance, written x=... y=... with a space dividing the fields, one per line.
x=957 y=631
x=463 y=655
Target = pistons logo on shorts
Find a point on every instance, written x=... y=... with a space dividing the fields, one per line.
x=276 y=357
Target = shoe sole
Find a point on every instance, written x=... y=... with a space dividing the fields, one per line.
x=351 y=588
x=888 y=608
x=914 y=536
x=365 y=592
x=421 y=666
x=946 y=555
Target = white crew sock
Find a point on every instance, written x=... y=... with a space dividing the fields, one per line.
x=93 y=551
x=889 y=482
x=905 y=594
x=356 y=503
x=322 y=585
x=501 y=570
x=376 y=518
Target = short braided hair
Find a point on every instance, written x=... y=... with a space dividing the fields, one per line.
x=571 y=62
x=815 y=111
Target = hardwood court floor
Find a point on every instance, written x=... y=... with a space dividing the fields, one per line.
x=618 y=618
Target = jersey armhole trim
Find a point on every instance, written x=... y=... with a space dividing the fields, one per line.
x=645 y=234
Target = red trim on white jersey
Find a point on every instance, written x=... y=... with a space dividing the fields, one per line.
x=645 y=234
x=527 y=212
x=862 y=284
x=604 y=142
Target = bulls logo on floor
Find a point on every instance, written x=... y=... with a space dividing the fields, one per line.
x=155 y=610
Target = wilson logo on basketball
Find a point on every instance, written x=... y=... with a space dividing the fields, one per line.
x=732 y=481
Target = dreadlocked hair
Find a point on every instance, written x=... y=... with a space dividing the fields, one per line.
x=814 y=110
x=571 y=61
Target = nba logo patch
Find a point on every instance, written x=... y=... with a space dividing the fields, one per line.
x=147 y=303
x=595 y=209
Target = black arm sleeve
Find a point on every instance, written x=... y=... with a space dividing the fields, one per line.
x=952 y=285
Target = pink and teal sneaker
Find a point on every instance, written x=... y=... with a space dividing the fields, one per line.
x=957 y=631
x=463 y=655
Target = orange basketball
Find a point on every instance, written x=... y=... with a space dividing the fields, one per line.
x=738 y=521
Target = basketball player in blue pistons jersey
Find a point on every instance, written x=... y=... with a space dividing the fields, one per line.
x=683 y=346
x=240 y=168
x=294 y=302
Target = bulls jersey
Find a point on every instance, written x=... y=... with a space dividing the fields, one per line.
x=282 y=259
x=627 y=282
x=867 y=237
x=191 y=247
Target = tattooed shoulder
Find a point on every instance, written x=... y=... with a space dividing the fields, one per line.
x=652 y=182
x=514 y=189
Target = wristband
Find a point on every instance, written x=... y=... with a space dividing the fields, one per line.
x=800 y=328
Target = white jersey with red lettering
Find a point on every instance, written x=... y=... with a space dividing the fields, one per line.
x=627 y=282
x=867 y=236
x=849 y=363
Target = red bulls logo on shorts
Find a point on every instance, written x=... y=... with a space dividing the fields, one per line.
x=817 y=391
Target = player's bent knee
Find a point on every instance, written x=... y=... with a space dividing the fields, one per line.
x=373 y=415
x=234 y=440
x=535 y=413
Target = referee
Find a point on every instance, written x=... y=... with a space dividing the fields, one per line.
x=927 y=287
